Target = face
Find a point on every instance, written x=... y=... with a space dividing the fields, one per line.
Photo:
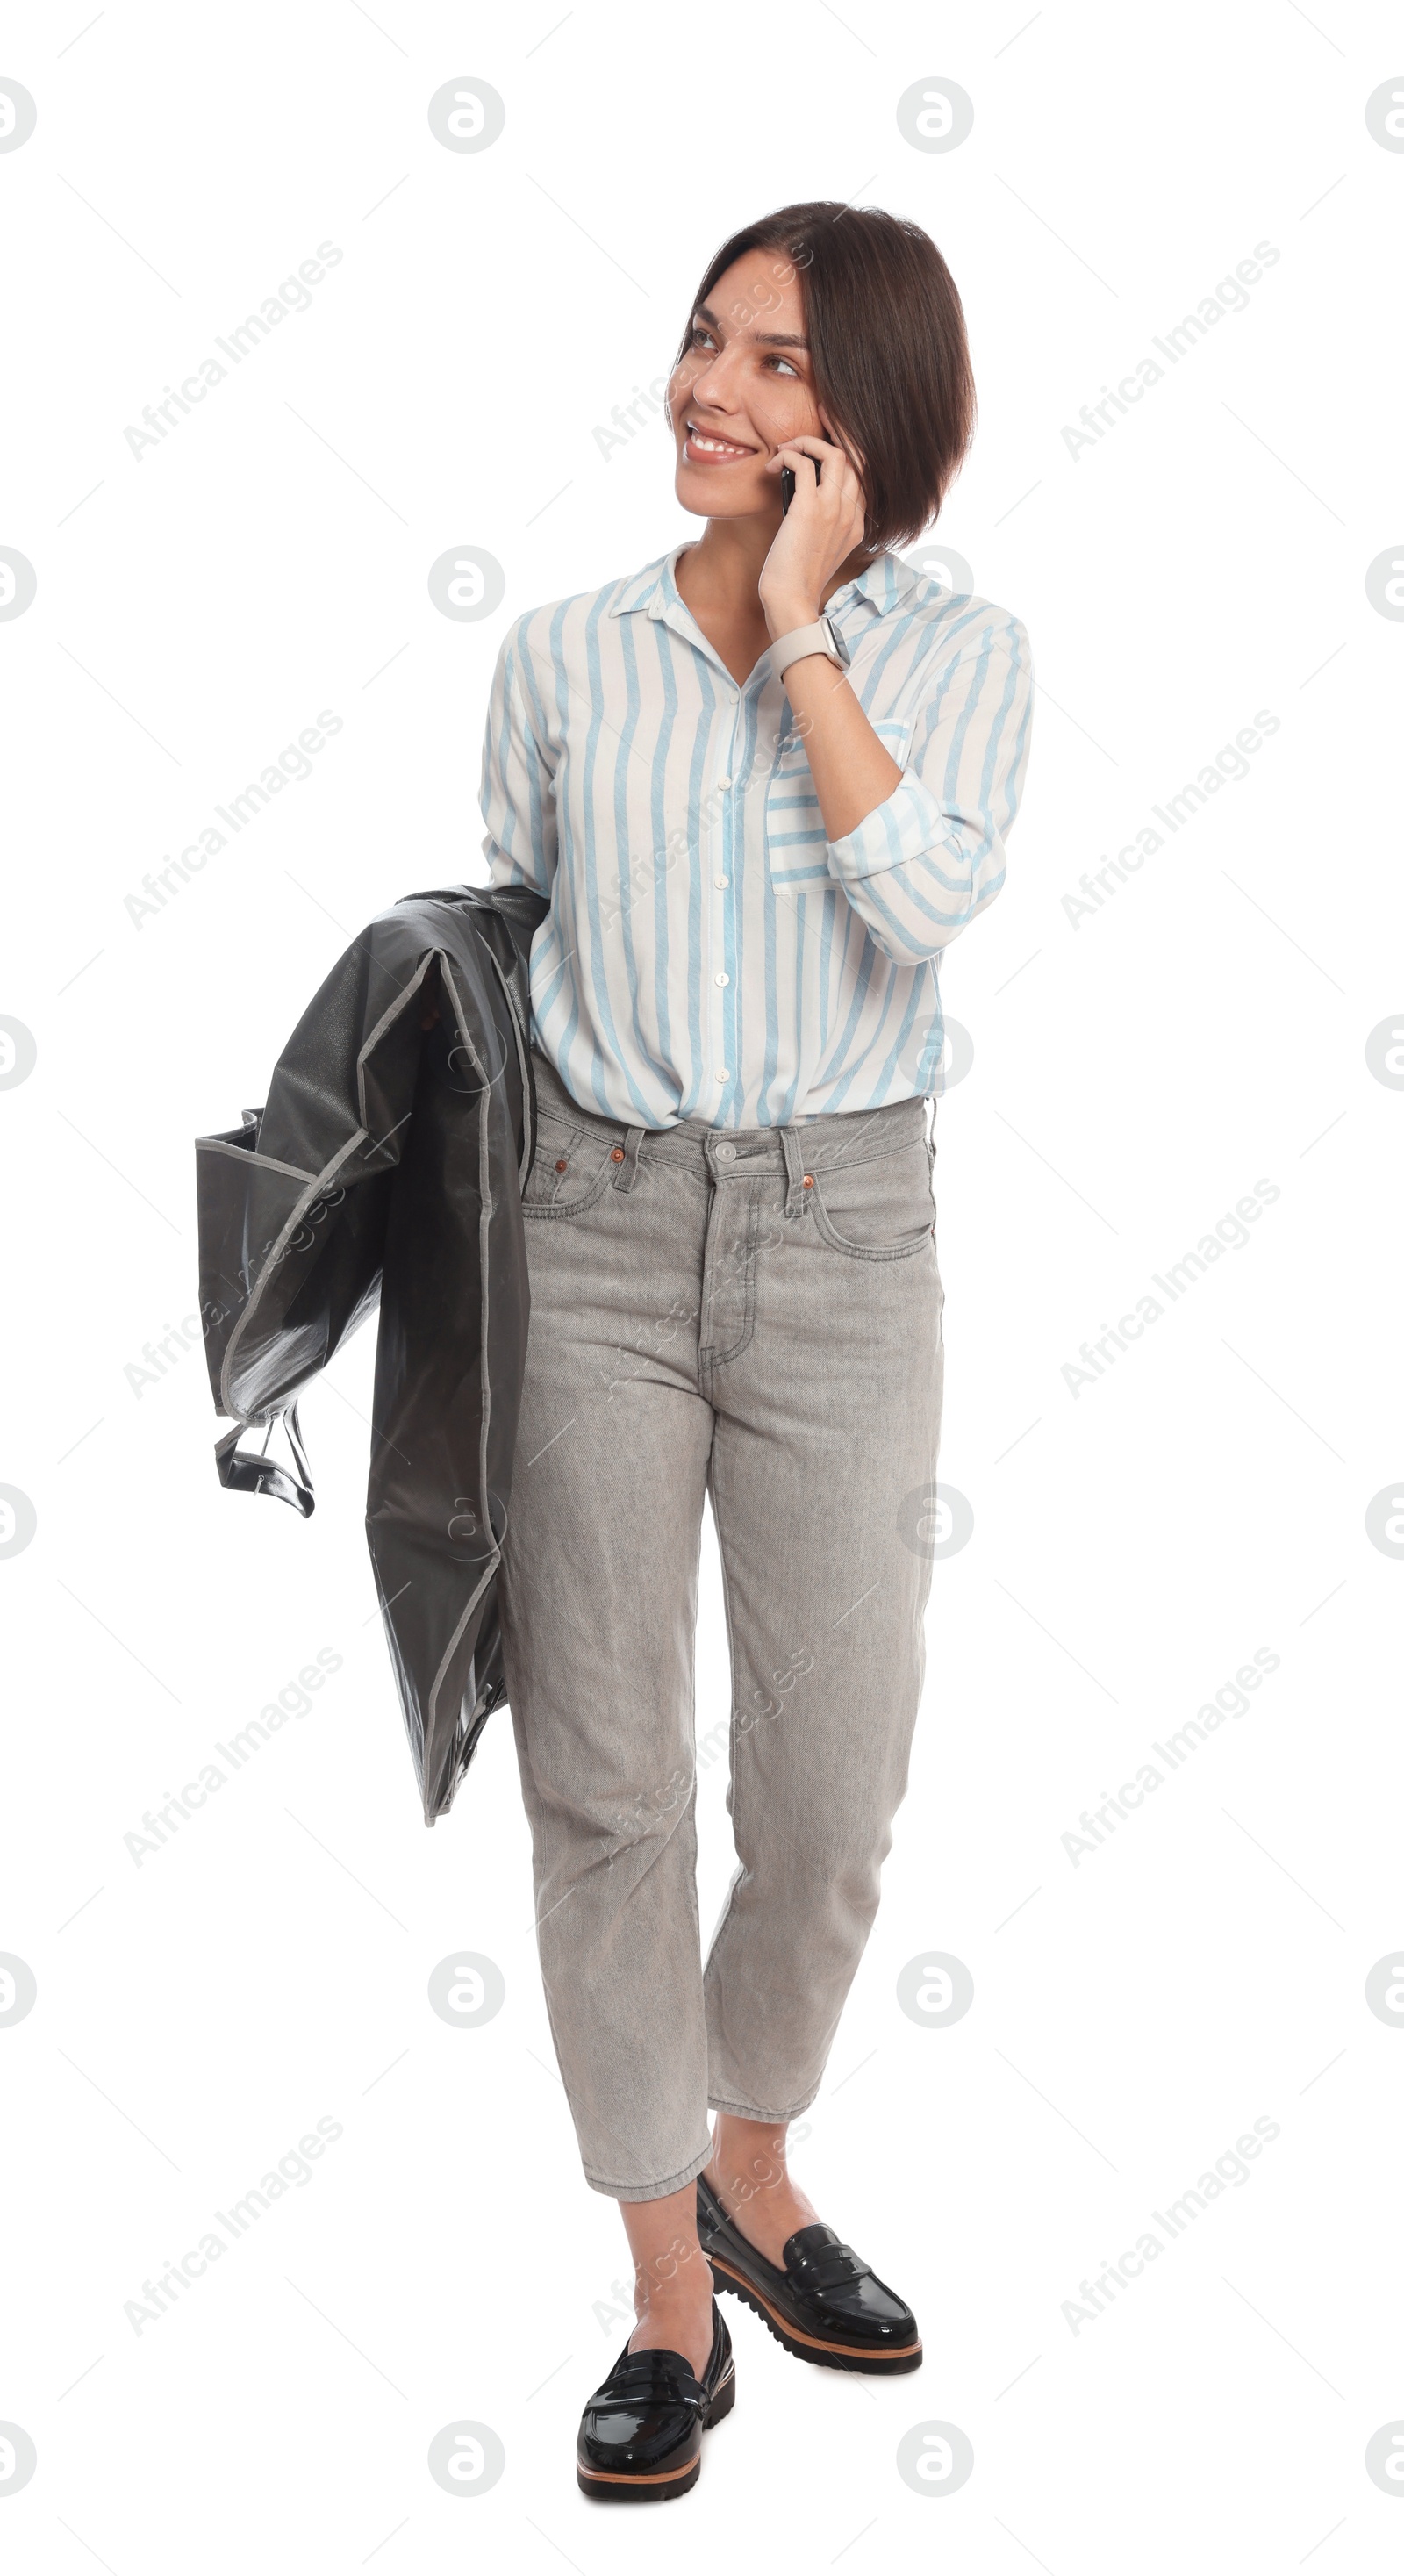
x=743 y=388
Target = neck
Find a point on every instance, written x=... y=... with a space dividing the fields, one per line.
x=722 y=569
x=724 y=565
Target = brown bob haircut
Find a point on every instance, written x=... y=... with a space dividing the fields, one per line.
x=887 y=346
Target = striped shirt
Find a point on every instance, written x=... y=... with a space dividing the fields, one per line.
x=708 y=952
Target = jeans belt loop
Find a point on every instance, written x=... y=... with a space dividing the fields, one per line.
x=797 y=1196
x=628 y=1171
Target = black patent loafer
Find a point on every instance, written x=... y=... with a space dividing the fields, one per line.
x=641 y=2433
x=823 y=2304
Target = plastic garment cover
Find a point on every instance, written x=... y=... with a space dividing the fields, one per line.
x=387 y=1167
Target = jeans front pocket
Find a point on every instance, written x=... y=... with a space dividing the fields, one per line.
x=571 y=1167
x=879 y=1209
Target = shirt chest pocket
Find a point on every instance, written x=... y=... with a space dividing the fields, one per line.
x=796 y=844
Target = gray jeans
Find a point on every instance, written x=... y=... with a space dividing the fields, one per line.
x=755 y=1317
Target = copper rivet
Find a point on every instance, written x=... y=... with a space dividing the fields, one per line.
x=809 y=1180
x=562 y=1166
x=616 y=1153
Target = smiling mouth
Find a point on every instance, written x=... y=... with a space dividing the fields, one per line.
x=702 y=449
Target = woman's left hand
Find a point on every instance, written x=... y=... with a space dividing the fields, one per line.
x=822 y=527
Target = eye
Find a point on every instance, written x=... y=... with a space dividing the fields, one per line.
x=776 y=360
x=698 y=334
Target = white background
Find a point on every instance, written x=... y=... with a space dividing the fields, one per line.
x=1134 y=1543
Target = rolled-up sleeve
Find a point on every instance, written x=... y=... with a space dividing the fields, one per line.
x=928 y=859
x=517 y=796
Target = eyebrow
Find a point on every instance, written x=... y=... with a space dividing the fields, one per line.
x=771 y=339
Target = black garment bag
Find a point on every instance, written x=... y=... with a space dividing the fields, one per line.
x=386 y=1168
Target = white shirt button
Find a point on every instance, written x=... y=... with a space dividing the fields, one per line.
x=723 y=782
x=723 y=1075
x=723 y=979
x=721 y=881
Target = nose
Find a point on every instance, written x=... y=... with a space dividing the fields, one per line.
x=710 y=387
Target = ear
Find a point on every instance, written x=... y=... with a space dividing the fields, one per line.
x=836 y=439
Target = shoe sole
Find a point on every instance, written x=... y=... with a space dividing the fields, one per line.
x=657 y=2486
x=829 y=2356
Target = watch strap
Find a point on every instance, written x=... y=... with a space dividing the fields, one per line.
x=822 y=637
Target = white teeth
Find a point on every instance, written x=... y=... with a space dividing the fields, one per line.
x=717 y=446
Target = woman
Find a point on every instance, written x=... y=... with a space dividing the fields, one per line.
x=763 y=782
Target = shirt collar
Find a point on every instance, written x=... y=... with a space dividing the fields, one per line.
x=880 y=586
x=650 y=588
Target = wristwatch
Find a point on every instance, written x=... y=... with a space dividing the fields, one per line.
x=822 y=637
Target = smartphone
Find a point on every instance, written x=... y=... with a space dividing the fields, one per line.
x=787 y=484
